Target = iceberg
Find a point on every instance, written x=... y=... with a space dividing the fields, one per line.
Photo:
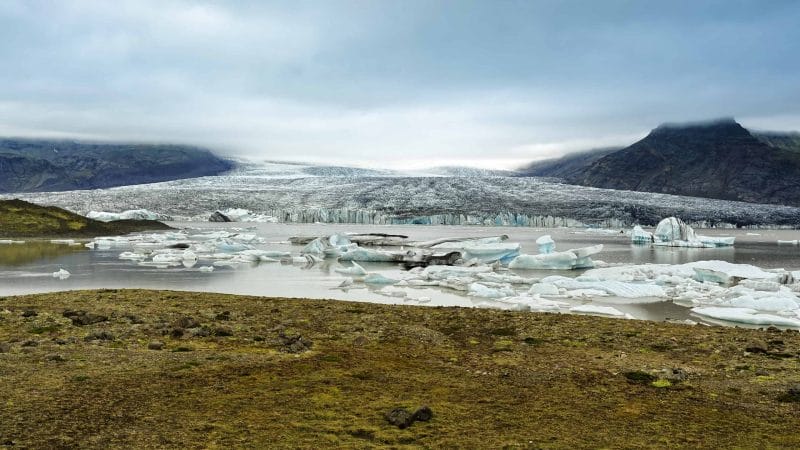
x=370 y=255
x=598 y=310
x=546 y=244
x=746 y=315
x=482 y=290
x=376 y=278
x=355 y=270
x=132 y=214
x=566 y=260
x=639 y=236
x=612 y=287
x=673 y=232
x=61 y=274
x=483 y=252
x=241 y=215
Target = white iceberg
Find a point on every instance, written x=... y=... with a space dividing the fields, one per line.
x=355 y=270
x=598 y=310
x=61 y=274
x=639 y=236
x=746 y=315
x=133 y=214
x=546 y=244
x=566 y=260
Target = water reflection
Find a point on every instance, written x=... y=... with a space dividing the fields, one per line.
x=15 y=255
x=679 y=255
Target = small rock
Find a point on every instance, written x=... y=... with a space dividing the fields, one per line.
x=29 y=313
x=55 y=357
x=294 y=344
x=60 y=341
x=30 y=343
x=186 y=322
x=762 y=373
x=5 y=347
x=423 y=414
x=155 y=345
x=81 y=318
x=792 y=394
x=773 y=329
x=756 y=347
x=224 y=315
x=223 y=331
x=133 y=319
x=176 y=332
x=400 y=417
x=360 y=341
x=99 y=336
x=202 y=332
x=676 y=374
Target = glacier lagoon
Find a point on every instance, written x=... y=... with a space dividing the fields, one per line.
x=29 y=268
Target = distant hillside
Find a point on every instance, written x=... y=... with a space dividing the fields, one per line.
x=28 y=165
x=22 y=219
x=566 y=166
x=718 y=159
x=784 y=141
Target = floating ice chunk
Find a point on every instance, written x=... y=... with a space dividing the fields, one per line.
x=189 y=255
x=544 y=289
x=444 y=272
x=354 y=270
x=586 y=293
x=227 y=246
x=424 y=299
x=346 y=282
x=315 y=247
x=339 y=240
x=612 y=287
x=724 y=272
x=132 y=256
x=760 y=285
x=503 y=278
x=546 y=244
x=376 y=278
x=745 y=315
x=61 y=274
x=10 y=242
x=766 y=303
x=399 y=293
x=597 y=310
x=792 y=242
x=205 y=269
x=535 y=303
x=245 y=215
x=484 y=252
x=370 y=255
x=481 y=290
x=674 y=229
x=133 y=214
x=639 y=236
x=457 y=240
x=63 y=241
x=560 y=260
x=717 y=241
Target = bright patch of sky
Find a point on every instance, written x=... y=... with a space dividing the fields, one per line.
x=404 y=84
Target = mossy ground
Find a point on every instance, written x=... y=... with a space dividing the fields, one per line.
x=19 y=218
x=493 y=379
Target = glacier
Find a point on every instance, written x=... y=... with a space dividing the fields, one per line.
x=296 y=193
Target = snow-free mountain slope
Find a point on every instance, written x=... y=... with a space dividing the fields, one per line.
x=718 y=159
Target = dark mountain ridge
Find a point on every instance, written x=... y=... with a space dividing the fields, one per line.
x=716 y=159
x=35 y=165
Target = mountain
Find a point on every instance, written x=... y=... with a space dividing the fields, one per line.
x=785 y=141
x=23 y=219
x=566 y=166
x=33 y=165
x=718 y=159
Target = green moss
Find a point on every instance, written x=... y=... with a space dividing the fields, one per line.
x=661 y=383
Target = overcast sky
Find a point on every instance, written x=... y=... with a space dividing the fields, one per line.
x=394 y=83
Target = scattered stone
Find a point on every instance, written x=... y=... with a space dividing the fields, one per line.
x=400 y=417
x=60 y=341
x=294 y=344
x=423 y=414
x=55 y=357
x=5 y=347
x=186 y=322
x=223 y=331
x=82 y=318
x=202 y=332
x=792 y=394
x=155 y=345
x=360 y=341
x=675 y=374
x=30 y=343
x=99 y=336
x=773 y=329
x=177 y=332
x=29 y=313
x=756 y=347
x=219 y=217
x=762 y=373
x=133 y=319
x=224 y=315
x=180 y=245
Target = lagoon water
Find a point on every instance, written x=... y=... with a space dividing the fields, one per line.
x=27 y=268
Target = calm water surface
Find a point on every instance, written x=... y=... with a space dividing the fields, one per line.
x=28 y=268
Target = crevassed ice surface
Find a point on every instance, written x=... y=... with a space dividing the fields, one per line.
x=307 y=194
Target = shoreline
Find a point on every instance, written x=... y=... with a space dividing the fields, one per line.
x=244 y=371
